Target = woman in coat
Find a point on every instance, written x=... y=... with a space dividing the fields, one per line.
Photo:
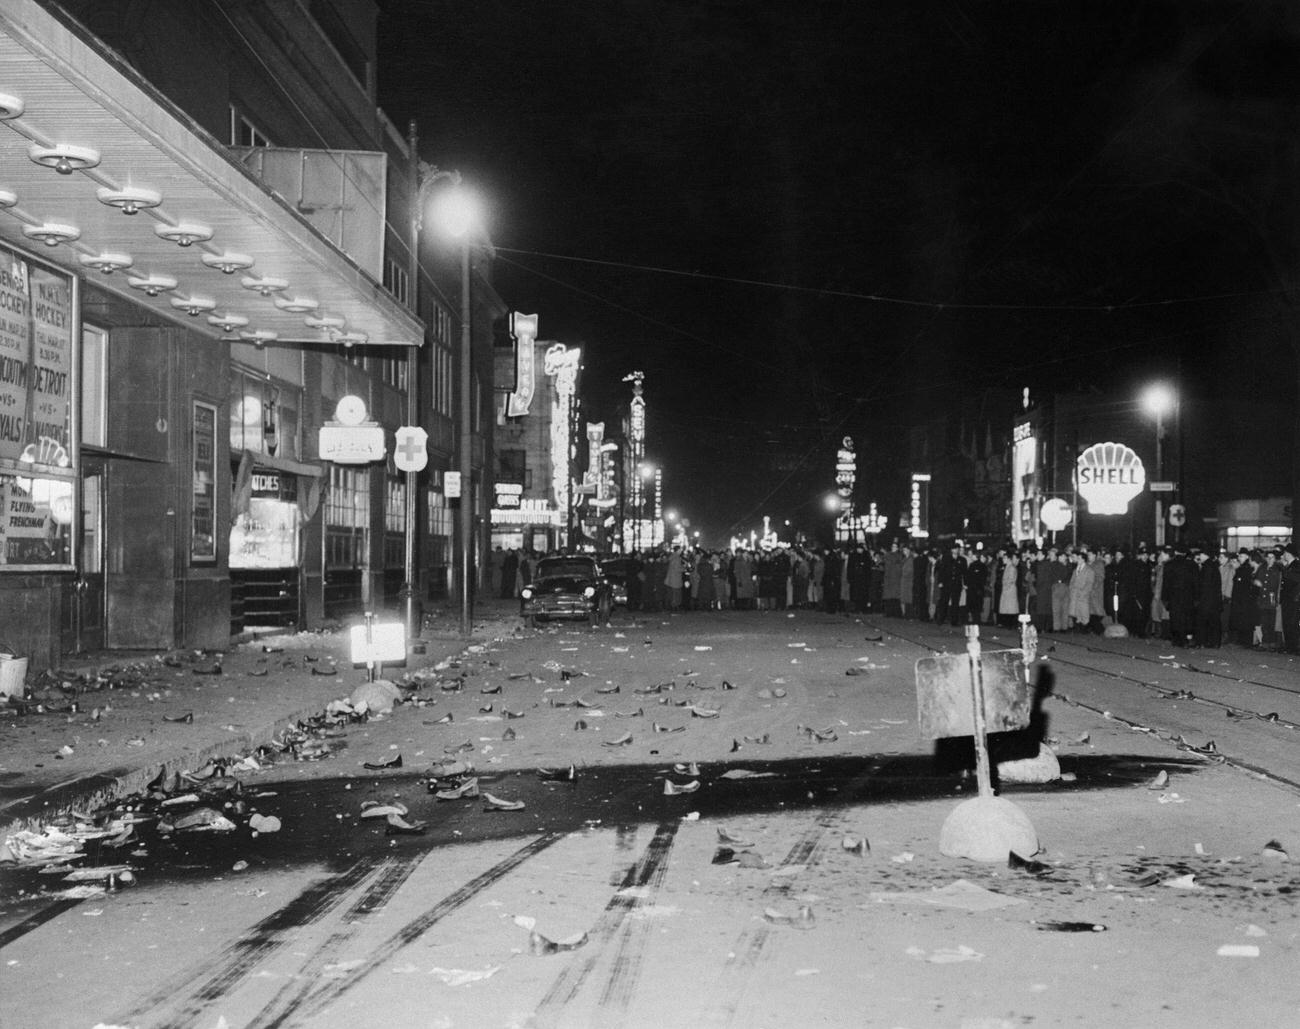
x=1009 y=591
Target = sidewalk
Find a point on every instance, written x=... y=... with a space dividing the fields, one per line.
x=139 y=713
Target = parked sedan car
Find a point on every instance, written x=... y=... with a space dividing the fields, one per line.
x=568 y=587
x=618 y=570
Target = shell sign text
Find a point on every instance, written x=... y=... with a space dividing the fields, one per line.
x=1109 y=476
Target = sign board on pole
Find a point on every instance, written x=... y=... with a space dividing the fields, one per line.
x=943 y=693
x=451 y=485
x=352 y=444
x=1177 y=515
x=410 y=452
x=1164 y=486
x=378 y=643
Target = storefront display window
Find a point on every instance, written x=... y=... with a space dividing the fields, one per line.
x=37 y=382
x=266 y=535
x=36 y=524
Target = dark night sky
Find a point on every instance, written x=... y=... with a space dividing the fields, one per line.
x=805 y=219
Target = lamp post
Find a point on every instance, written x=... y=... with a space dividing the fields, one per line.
x=423 y=179
x=457 y=213
x=1159 y=400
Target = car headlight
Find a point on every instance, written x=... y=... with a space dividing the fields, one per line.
x=526 y=593
x=589 y=592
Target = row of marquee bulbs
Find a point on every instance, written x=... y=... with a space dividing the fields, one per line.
x=65 y=158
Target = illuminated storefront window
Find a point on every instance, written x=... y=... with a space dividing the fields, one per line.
x=37 y=477
x=266 y=535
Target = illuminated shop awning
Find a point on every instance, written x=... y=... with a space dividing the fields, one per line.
x=103 y=175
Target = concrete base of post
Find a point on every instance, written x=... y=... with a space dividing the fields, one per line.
x=987 y=829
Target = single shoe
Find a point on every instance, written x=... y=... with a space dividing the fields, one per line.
x=672 y=789
x=607 y=689
x=327 y=670
x=539 y=945
x=856 y=845
x=724 y=856
x=1160 y=781
x=690 y=769
x=569 y=774
x=399 y=826
x=735 y=746
x=855 y=670
x=622 y=741
x=491 y=689
x=638 y=713
x=1026 y=865
x=663 y=728
x=579 y=726
x=449 y=769
x=512 y=714
x=486 y=709
x=185 y=719
x=803 y=919
x=704 y=712
x=459 y=748
x=491 y=803
x=468 y=788
x=211 y=770
x=727 y=686
x=392 y=762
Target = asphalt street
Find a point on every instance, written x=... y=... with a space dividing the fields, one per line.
x=751 y=811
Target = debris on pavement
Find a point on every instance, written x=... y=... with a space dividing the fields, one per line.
x=801 y=919
x=492 y=803
x=945 y=955
x=962 y=894
x=540 y=945
x=376 y=809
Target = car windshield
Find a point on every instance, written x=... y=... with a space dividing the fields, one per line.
x=566 y=566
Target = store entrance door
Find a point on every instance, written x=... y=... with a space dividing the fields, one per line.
x=82 y=607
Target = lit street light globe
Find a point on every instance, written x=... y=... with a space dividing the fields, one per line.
x=1158 y=399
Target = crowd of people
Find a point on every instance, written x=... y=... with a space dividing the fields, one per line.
x=1192 y=596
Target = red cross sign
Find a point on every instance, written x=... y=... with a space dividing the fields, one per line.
x=409 y=450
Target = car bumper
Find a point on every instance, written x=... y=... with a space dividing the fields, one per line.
x=559 y=607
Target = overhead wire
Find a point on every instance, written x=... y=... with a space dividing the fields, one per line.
x=938 y=305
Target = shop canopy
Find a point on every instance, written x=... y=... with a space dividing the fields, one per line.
x=101 y=174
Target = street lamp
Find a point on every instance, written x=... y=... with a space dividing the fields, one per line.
x=423 y=179
x=1159 y=400
x=457 y=213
